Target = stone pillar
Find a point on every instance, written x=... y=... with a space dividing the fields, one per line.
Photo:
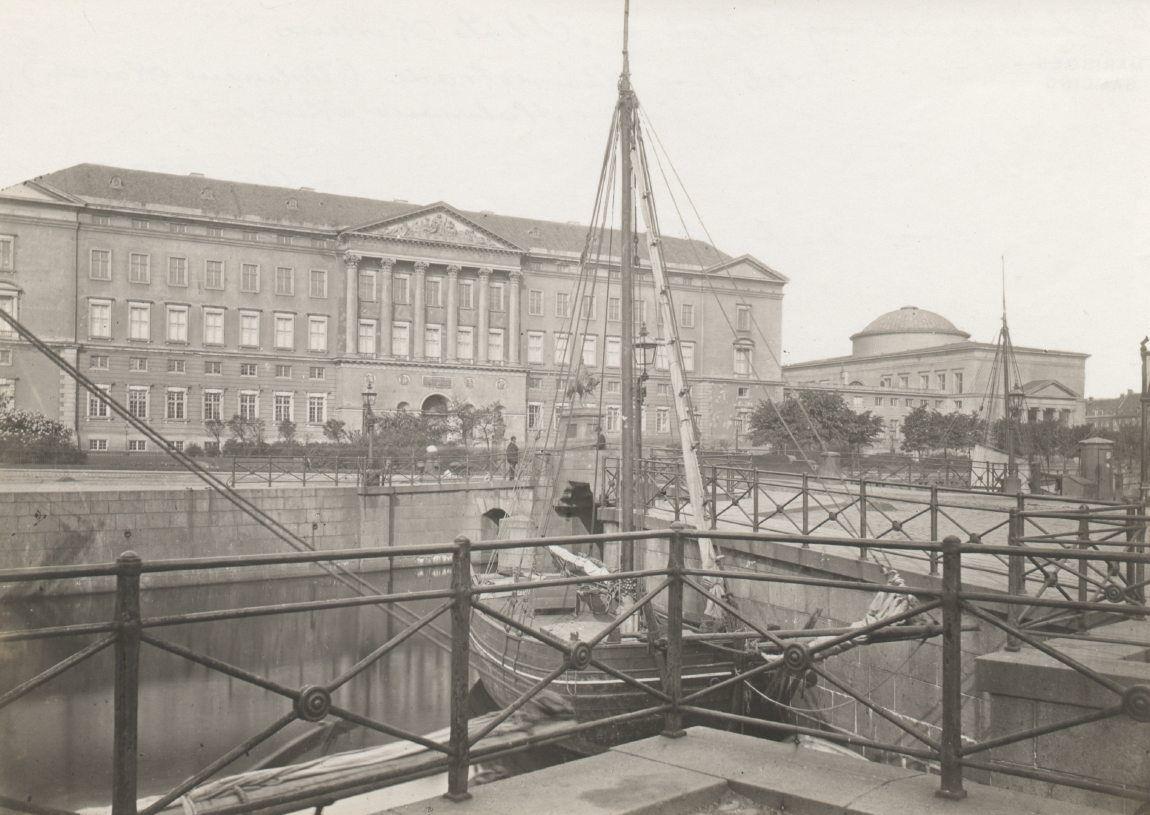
x=351 y=304
x=513 y=317
x=385 y=310
x=419 y=314
x=452 y=313
x=484 y=317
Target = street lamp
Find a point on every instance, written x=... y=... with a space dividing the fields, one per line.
x=369 y=395
x=645 y=349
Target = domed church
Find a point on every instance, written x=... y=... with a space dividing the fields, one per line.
x=913 y=357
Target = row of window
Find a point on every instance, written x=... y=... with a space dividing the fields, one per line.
x=212 y=367
x=174 y=405
x=180 y=228
x=940 y=380
x=612 y=419
x=214 y=273
x=893 y=401
x=176 y=320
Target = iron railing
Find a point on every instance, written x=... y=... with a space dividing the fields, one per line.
x=381 y=470
x=938 y=608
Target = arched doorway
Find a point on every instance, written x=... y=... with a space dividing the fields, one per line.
x=489 y=524
x=436 y=403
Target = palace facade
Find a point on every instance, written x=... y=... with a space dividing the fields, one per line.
x=911 y=357
x=192 y=299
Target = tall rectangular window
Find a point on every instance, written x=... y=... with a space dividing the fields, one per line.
x=401 y=339
x=590 y=348
x=138 y=401
x=614 y=352
x=139 y=267
x=249 y=329
x=924 y=382
x=282 y=408
x=588 y=309
x=318 y=286
x=177 y=323
x=249 y=406
x=534 y=415
x=285 y=331
x=688 y=350
x=662 y=420
x=639 y=313
x=466 y=294
x=688 y=315
x=940 y=378
x=249 y=277
x=498 y=301
x=97 y=407
x=401 y=288
x=743 y=317
x=562 y=304
x=316 y=408
x=535 y=347
x=662 y=357
x=213 y=326
x=213 y=274
x=176 y=405
x=99 y=318
x=614 y=309
x=285 y=280
x=433 y=342
x=10 y=305
x=7 y=253
x=535 y=303
x=366 y=280
x=213 y=405
x=139 y=321
x=561 y=341
x=495 y=345
x=465 y=342
x=100 y=264
x=317 y=333
x=958 y=382
x=177 y=271
x=433 y=292
x=613 y=418
x=366 y=337
x=742 y=360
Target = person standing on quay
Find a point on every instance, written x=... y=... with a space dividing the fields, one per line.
x=512 y=457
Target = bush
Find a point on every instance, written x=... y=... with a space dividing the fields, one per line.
x=193 y=450
x=32 y=438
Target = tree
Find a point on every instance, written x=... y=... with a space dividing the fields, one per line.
x=28 y=437
x=333 y=429
x=928 y=431
x=216 y=428
x=814 y=421
x=287 y=430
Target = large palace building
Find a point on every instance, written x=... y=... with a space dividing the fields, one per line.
x=911 y=357
x=191 y=299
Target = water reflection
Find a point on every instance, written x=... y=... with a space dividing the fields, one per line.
x=55 y=743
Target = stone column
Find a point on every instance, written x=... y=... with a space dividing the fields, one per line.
x=385 y=310
x=452 y=313
x=419 y=315
x=351 y=305
x=484 y=317
x=513 y=317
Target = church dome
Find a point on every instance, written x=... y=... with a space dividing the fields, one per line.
x=905 y=329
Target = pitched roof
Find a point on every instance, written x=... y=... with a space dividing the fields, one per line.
x=1034 y=386
x=307 y=209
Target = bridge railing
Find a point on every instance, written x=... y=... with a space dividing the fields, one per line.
x=798 y=658
x=381 y=470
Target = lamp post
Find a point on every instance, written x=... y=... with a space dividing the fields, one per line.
x=646 y=356
x=369 y=395
x=1012 y=484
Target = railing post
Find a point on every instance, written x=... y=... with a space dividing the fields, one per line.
x=673 y=722
x=714 y=497
x=269 y=471
x=1083 y=565
x=862 y=516
x=678 y=492
x=305 y=471
x=126 y=684
x=233 y=471
x=459 y=759
x=1015 y=579
x=755 y=500
x=950 y=755
x=934 y=526
x=806 y=506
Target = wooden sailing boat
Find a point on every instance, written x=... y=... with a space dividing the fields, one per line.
x=513 y=662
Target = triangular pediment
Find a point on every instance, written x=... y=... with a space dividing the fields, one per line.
x=38 y=191
x=438 y=223
x=1048 y=389
x=748 y=267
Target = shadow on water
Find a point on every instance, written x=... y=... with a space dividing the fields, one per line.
x=57 y=740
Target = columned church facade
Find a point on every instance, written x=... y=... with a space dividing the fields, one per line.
x=191 y=299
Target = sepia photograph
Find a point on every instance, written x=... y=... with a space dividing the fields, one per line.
x=612 y=407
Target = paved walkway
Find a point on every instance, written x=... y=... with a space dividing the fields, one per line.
x=661 y=776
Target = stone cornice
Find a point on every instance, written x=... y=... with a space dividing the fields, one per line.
x=936 y=350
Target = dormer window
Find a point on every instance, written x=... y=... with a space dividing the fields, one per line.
x=116 y=183
x=292 y=203
x=207 y=195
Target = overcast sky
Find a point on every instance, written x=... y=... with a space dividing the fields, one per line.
x=880 y=154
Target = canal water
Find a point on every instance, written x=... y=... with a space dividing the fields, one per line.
x=56 y=743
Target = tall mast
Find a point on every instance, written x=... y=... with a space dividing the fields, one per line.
x=1011 y=483
x=627 y=297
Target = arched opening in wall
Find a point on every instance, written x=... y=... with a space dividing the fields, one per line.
x=401 y=407
x=489 y=524
x=436 y=403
